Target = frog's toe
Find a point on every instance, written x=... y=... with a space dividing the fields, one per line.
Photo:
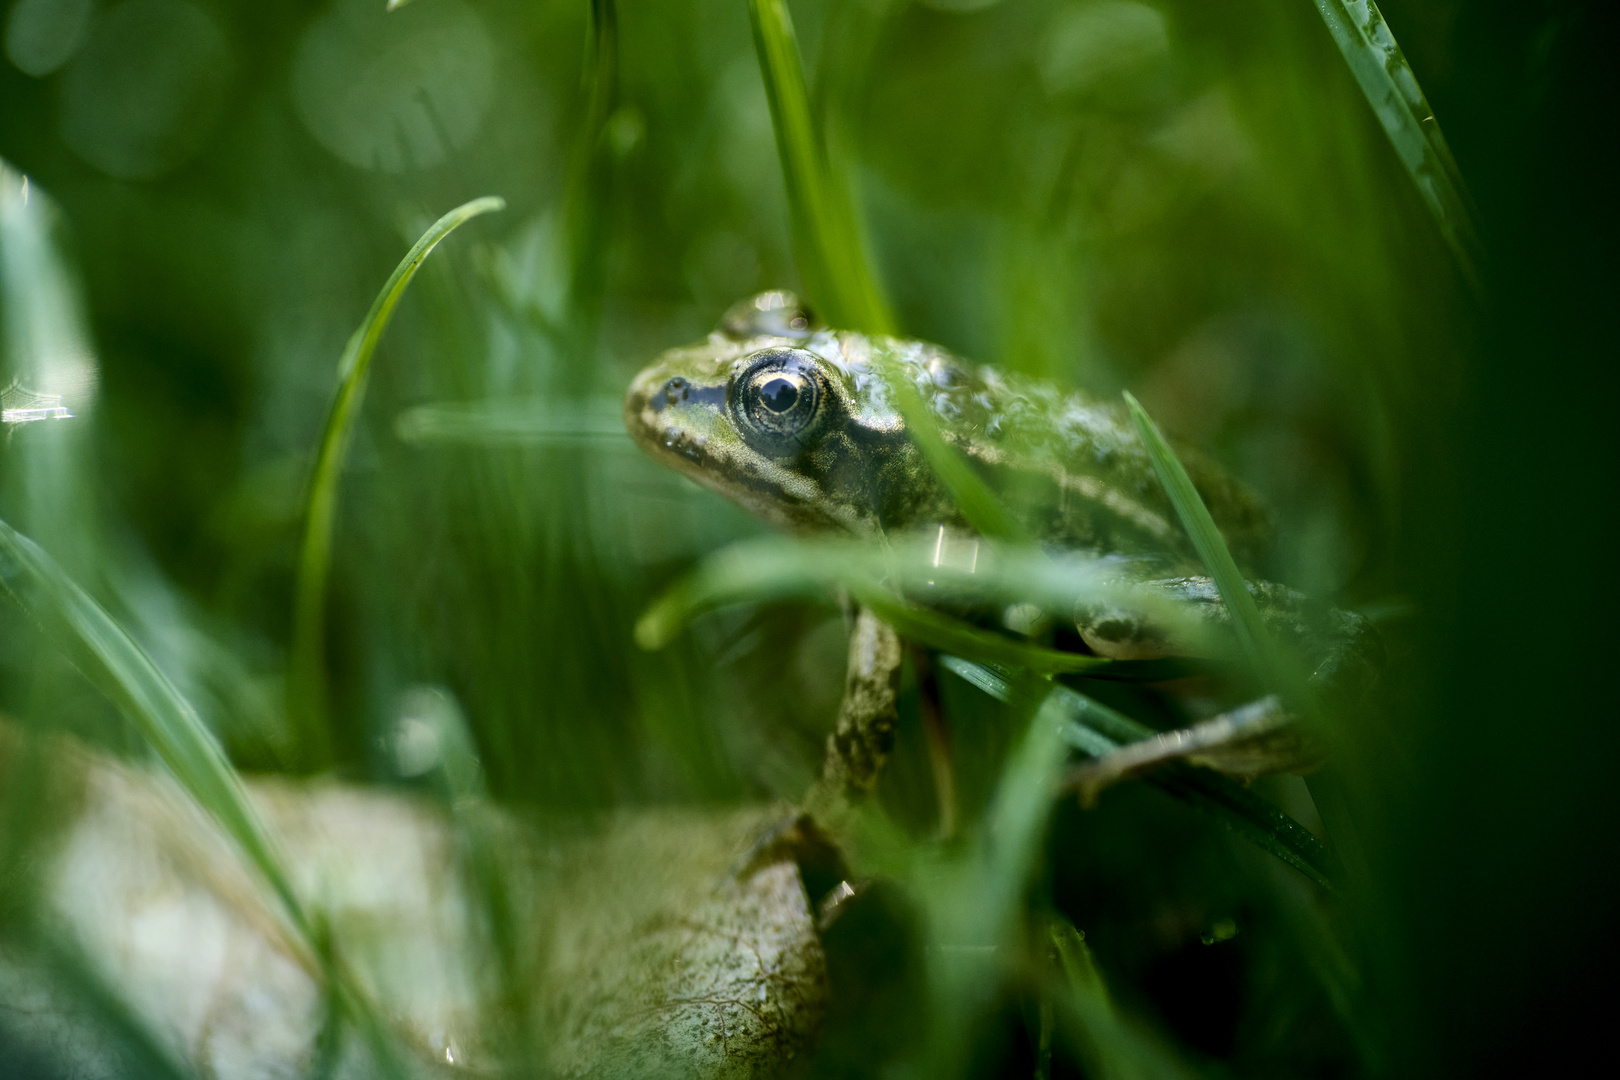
x=799 y=840
x=1118 y=634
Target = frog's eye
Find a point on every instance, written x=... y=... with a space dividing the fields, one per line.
x=778 y=400
x=777 y=313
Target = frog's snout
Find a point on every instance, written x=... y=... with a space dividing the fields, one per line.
x=636 y=397
x=662 y=409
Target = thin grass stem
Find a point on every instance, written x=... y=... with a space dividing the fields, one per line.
x=828 y=242
x=307 y=675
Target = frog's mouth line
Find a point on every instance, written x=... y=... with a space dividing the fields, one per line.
x=763 y=487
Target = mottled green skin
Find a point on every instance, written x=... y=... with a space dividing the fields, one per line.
x=1071 y=468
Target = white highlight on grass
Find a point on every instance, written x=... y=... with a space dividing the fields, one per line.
x=22 y=406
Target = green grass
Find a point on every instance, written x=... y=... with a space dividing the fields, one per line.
x=827 y=235
x=170 y=726
x=1245 y=215
x=308 y=672
x=1380 y=68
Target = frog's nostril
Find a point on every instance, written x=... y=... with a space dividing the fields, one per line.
x=672 y=391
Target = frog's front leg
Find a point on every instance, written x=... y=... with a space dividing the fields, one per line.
x=856 y=751
x=861 y=740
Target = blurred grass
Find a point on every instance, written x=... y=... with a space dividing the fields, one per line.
x=1190 y=201
x=149 y=702
x=1393 y=93
x=828 y=239
x=307 y=678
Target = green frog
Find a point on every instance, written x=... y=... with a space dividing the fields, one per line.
x=798 y=423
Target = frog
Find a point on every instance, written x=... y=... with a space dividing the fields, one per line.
x=797 y=422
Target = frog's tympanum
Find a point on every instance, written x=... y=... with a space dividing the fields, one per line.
x=797 y=422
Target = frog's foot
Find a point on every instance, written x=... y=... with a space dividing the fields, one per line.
x=1252 y=740
x=1256 y=739
x=1341 y=647
x=798 y=839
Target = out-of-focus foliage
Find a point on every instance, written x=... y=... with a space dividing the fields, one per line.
x=1193 y=201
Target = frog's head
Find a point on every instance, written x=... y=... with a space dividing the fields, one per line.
x=767 y=412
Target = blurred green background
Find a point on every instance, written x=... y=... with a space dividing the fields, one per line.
x=1189 y=200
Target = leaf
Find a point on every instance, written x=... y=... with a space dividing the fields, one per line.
x=307 y=684
x=1387 y=81
x=830 y=250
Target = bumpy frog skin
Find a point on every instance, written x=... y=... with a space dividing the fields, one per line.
x=797 y=423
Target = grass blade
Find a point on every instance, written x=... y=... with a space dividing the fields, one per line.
x=974 y=898
x=984 y=510
x=589 y=182
x=146 y=698
x=1252 y=636
x=828 y=243
x=123 y=672
x=1096 y=730
x=307 y=683
x=780 y=569
x=1387 y=81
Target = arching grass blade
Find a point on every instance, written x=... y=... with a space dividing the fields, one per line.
x=306 y=681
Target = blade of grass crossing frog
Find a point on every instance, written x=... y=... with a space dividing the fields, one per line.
x=307 y=683
x=944 y=632
x=1392 y=90
x=778 y=569
x=1251 y=632
x=828 y=243
x=984 y=511
x=118 y=667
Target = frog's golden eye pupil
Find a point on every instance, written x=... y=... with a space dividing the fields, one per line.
x=778 y=395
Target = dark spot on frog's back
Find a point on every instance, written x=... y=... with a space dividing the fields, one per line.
x=678 y=391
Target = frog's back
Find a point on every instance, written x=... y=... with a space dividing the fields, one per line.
x=1071 y=467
